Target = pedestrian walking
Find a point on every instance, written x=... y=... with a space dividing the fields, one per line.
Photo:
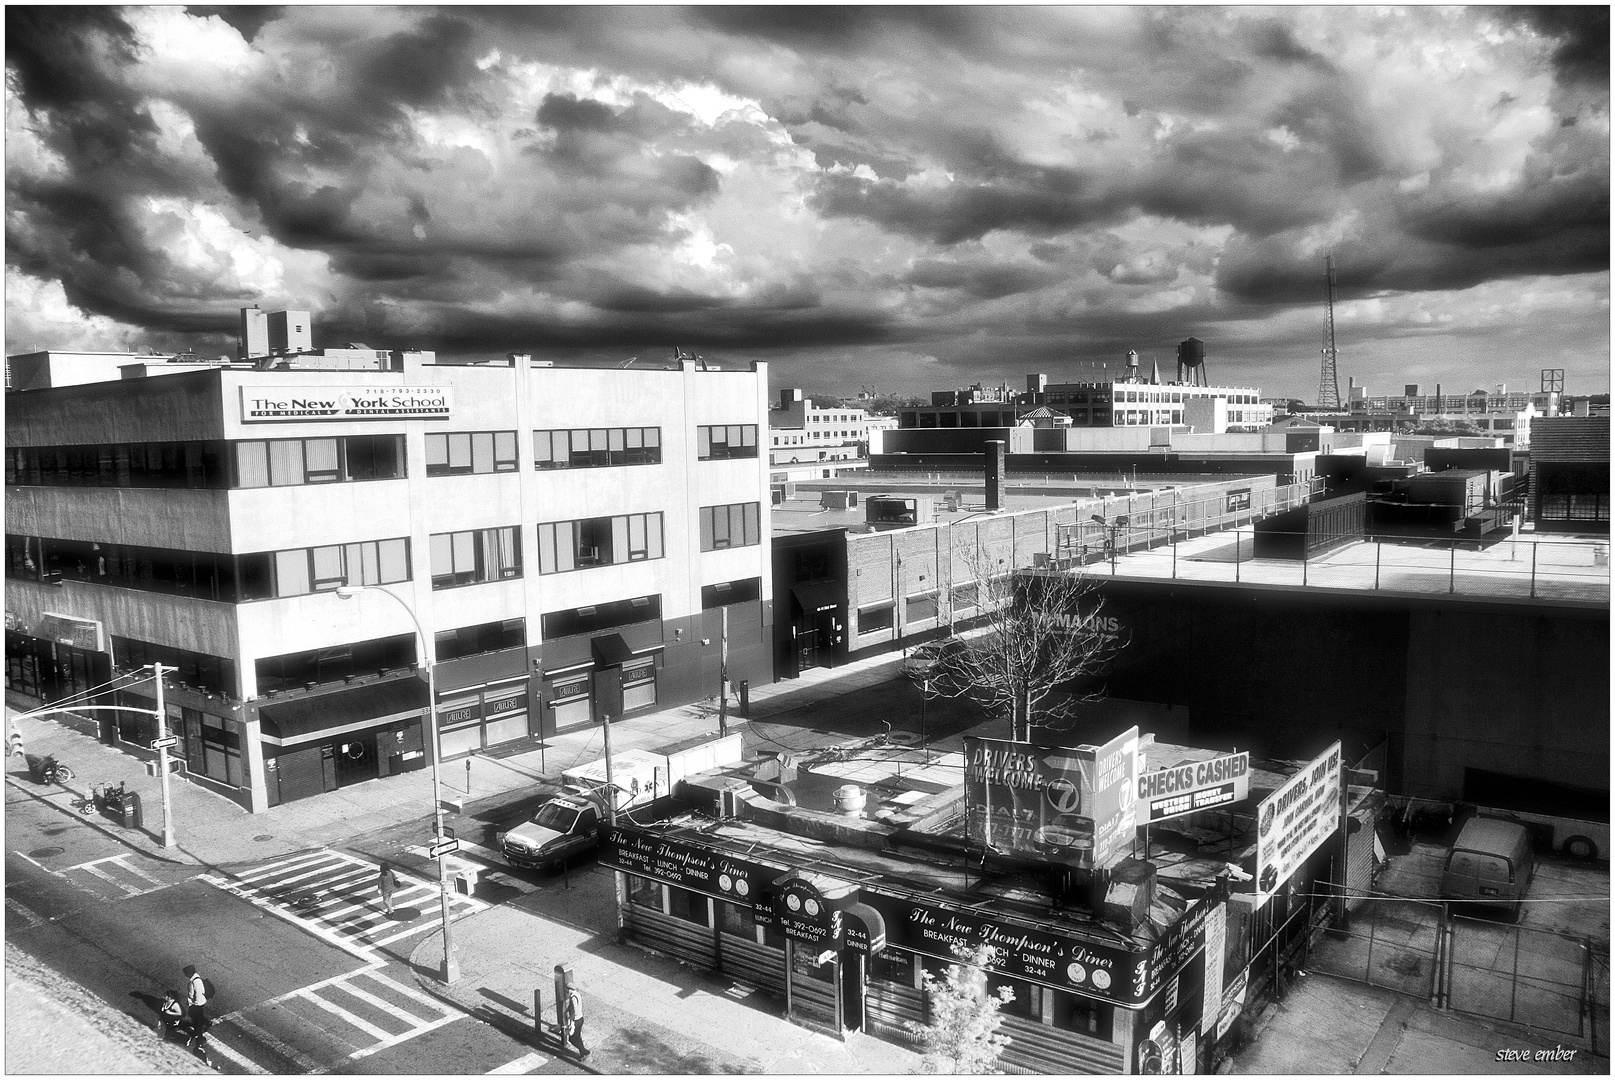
x=574 y=1020
x=195 y=1003
x=386 y=883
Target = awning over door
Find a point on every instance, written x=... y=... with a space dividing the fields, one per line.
x=818 y=595
x=307 y=718
x=610 y=650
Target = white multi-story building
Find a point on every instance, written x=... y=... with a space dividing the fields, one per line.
x=805 y=440
x=566 y=535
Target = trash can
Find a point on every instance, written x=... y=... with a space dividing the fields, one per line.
x=129 y=812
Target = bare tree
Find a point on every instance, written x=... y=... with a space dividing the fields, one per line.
x=1043 y=630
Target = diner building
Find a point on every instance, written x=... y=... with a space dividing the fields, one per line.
x=839 y=909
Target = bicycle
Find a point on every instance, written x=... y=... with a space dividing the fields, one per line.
x=85 y=804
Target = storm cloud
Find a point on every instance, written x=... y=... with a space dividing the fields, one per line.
x=914 y=197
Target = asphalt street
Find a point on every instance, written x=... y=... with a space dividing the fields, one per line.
x=311 y=975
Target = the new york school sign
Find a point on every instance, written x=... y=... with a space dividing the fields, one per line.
x=263 y=403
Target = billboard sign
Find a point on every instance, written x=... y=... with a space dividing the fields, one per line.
x=1296 y=820
x=688 y=866
x=281 y=404
x=1195 y=785
x=1072 y=804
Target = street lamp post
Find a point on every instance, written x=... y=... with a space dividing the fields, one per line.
x=451 y=962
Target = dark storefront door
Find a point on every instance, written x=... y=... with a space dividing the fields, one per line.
x=301 y=773
x=807 y=650
x=852 y=990
x=356 y=758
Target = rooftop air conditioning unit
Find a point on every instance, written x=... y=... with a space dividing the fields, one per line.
x=839 y=500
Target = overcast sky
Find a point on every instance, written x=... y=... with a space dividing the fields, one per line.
x=913 y=198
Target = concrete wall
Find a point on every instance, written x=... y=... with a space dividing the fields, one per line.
x=1516 y=688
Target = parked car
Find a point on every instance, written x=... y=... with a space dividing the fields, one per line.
x=927 y=659
x=1490 y=862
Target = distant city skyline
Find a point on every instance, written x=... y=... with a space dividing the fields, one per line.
x=910 y=198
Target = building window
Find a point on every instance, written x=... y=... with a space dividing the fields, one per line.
x=457 y=453
x=292 y=462
x=322 y=569
x=713 y=442
x=589 y=448
x=638 y=684
x=596 y=617
x=159 y=465
x=921 y=607
x=481 y=638
x=874 y=618
x=731 y=525
x=578 y=545
x=725 y=593
x=317 y=666
x=469 y=558
x=201 y=670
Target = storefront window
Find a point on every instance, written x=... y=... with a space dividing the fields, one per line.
x=736 y=920
x=644 y=892
x=1083 y=1016
x=893 y=965
x=805 y=966
x=686 y=905
x=1027 y=1000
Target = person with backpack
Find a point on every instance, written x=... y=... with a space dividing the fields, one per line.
x=386 y=883
x=574 y=1020
x=196 y=999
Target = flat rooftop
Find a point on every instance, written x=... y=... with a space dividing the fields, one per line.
x=1537 y=565
x=804 y=513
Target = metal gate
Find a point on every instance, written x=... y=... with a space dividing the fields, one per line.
x=1522 y=975
x=1389 y=942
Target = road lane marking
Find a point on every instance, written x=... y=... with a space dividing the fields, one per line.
x=521 y=1066
x=324 y=934
x=290 y=1053
x=408 y=991
x=252 y=1067
x=96 y=871
x=359 y=1022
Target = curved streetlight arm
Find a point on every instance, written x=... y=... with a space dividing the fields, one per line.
x=451 y=962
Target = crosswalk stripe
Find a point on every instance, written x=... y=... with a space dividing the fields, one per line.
x=290 y=1053
x=381 y=1003
x=322 y=869
x=409 y=991
x=96 y=871
x=28 y=915
x=271 y=869
x=521 y=1066
x=135 y=870
x=406 y=1036
x=252 y=1067
x=363 y=1025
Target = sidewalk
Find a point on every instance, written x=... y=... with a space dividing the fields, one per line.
x=210 y=830
x=1327 y=1025
x=643 y=1013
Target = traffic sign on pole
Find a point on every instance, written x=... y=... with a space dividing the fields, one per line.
x=165 y=743
x=447 y=847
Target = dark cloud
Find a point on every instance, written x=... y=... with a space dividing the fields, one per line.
x=1582 y=31
x=977 y=187
x=246 y=20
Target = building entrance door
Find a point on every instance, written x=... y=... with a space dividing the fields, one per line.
x=807 y=650
x=356 y=758
x=852 y=990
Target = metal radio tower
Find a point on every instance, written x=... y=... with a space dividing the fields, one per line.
x=1328 y=382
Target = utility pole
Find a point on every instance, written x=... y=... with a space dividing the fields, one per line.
x=723 y=670
x=162 y=756
x=611 y=783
